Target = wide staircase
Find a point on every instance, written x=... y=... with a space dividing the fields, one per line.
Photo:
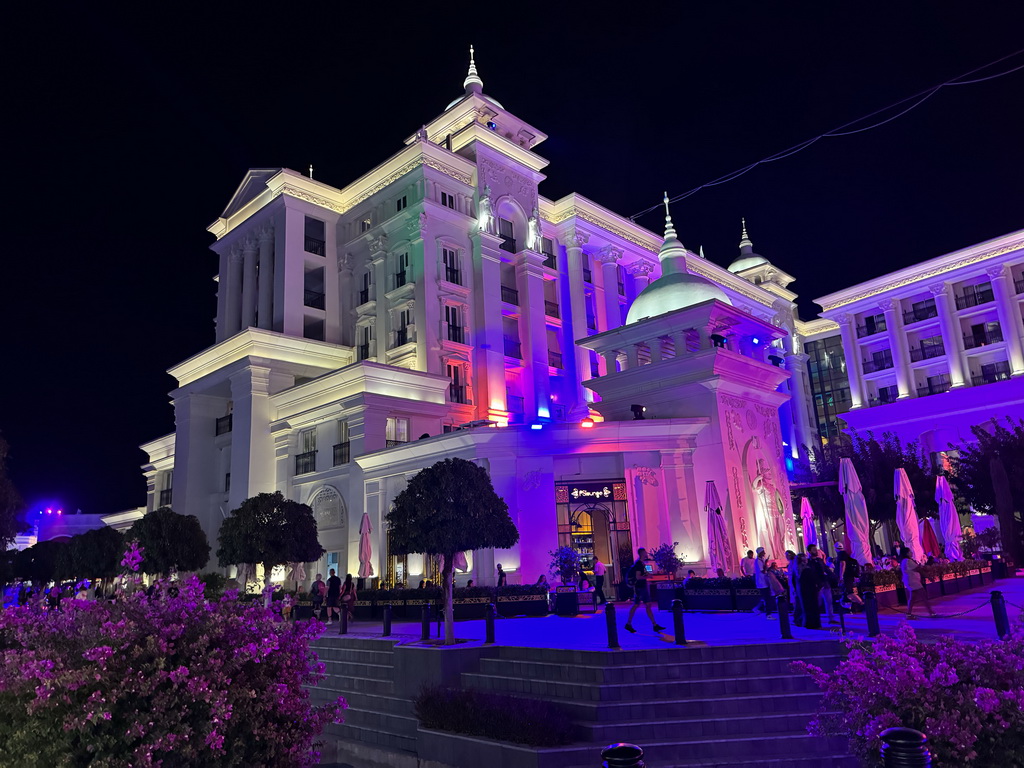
x=711 y=707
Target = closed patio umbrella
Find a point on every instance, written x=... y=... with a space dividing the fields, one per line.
x=906 y=514
x=929 y=541
x=807 y=519
x=858 y=527
x=949 y=518
x=365 y=547
x=719 y=551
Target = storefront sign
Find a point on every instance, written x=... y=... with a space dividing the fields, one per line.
x=590 y=492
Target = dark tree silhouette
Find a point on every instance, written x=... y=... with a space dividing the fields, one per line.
x=171 y=541
x=12 y=520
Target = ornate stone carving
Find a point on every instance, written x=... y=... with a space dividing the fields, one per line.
x=249 y=245
x=996 y=271
x=640 y=268
x=379 y=244
x=235 y=254
x=608 y=255
x=328 y=508
x=531 y=480
x=887 y=305
x=576 y=239
x=646 y=475
x=939 y=289
x=842 y=318
x=265 y=233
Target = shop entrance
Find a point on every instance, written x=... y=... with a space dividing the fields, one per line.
x=592 y=520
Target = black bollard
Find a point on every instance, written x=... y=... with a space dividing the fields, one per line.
x=343 y=624
x=677 y=622
x=387 y=620
x=871 y=612
x=489 y=623
x=783 y=605
x=425 y=634
x=905 y=748
x=622 y=756
x=613 y=630
x=842 y=618
x=999 y=613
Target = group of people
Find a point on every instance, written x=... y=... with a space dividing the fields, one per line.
x=334 y=595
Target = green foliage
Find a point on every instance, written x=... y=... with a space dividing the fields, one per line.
x=666 y=558
x=213 y=585
x=41 y=563
x=269 y=529
x=565 y=562
x=95 y=554
x=12 y=520
x=171 y=541
x=989 y=540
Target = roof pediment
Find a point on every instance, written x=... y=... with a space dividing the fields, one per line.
x=254 y=182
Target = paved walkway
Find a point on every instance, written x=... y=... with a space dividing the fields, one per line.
x=588 y=632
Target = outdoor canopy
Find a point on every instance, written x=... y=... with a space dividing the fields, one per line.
x=949 y=518
x=807 y=518
x=858 y=527
x=719 y=551
x=365 y=548
x=906 y=514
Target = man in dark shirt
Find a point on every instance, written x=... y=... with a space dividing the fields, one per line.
x=638 y=576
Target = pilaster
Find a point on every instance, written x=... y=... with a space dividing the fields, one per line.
x=608 y=258
x=533 y=329
x=249 y=254
x=853 y=362
x=489 y=351
x=232 y=290
x=1009 y=316
x=252 y=447
x=952 y=338
x=898 y=347
x=574 y=242
x=265 y=311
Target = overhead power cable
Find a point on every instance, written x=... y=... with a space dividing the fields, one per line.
x=848 y=129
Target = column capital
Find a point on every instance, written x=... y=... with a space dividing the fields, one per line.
x=889 y=305
x=843 y=319
x=265 y=234
x=346 y=262
x=640 y=268
x=249 y=245
x=235 y=255
x=251 y=380
x=939 y=289
x=997 y=271
x=574 y=238
x=608 y=255
x=379 y=244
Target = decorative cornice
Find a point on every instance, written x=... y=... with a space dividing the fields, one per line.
x=586 y=216
x=696 y=267
x=309 y=197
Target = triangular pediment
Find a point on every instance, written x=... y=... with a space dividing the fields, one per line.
x=254 y=182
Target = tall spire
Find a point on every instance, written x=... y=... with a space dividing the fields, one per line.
x=672 y=254
x=670 y=230
x=472 y=79
x=744 y=239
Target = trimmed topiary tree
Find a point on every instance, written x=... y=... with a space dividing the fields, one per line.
x=172 y=542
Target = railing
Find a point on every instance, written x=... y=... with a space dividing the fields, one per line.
x=457 y=334
x=554 y=359
x=401 y=336
x=984 y=296
x=509 y=295
x=165 y=497
x=1018 y=285
x=513 y=348
x=551 y=309
x=591 y=322
x=223 y=425
x=552 y=263
x=305 y=462
x=453 y=275
x=516 y=404
x=588 y=276
x=927 y=353
x=364 y=351
x=878 y=364
x=885 y=396
x=917 y=315
x=313 y=299
x=870 y=330
x=999 y=372
x=935 y=388
x=315 y=245
x=457 y=393
x=508 y=244
x=399 y=279
x=393 y=443
x=342 y=453
x=364 y=296
x=981 y=339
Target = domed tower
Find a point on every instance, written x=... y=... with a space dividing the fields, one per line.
x=756 y=269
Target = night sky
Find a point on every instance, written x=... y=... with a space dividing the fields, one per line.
x=128 y=132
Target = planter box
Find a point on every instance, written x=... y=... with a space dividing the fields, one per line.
x=708 y=599
x=470 y=607
x=523 y=605
x=567 y=603
x=665 y=592
x=987 y=577
x=886 y=596
x=933 y=589
x=746 y=599
x=453 y=749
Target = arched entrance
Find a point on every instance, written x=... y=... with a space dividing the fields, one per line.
x=331 y=526
x=598 y=530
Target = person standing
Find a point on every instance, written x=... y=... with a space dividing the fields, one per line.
x=747 y=564
x=847 y=573
x=638 y=576
x=502 y=577
x=809 y=579
x=793 y=578
x=599 y=571
x=761 y=582
x=348 y=597
x=317 y=593
x=824 y=577
x=333 y=593
x=913 y=583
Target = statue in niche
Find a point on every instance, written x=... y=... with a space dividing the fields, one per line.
x=485 y=214
x=535 y=234
x=768 y=505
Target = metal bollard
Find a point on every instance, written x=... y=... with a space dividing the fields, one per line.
x=871 y=612
x=622 y=755
x=387 y=620
x=489 y=614
x=677 y=622
x=999 y=613
x=425 y=633
x=783 y=605
x=613 y=630
x=343 y=624
x=905 y=748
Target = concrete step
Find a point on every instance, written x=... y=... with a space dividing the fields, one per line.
x=381 y=721
x=359 y=655
x=786 y=649
x=824 y=761
x=657 y=728
x=377 y=703
x=347 y=669
x=378 y=738
x=345 y=686
x=733 y=706
x=762 y=750
x=353 y=641
x=672 y=670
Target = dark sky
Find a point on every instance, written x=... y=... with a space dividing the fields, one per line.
x=129 y=131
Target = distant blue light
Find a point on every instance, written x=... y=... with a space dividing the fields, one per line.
x=536 y=426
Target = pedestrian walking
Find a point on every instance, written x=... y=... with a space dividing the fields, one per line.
x=599 y=572
x=914 y=584
x=848 y=571
x=767 y=603
x=826 y=578
x=348 y=597
x=638 y=578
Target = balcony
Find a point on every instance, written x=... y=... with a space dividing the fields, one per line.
x=982 y=338
x=508 y=244
x=996 y=372
x=1018 y=285
x=551 y=263
x=870 y=329
x=551 y=309
x=400 y=279
x=364 y=296
x=223 y=425
x=554 y=359
x=457 y=393
x=982 y=296
x=588 y=276
x=313 y=299
x=885 y=396
x=934 y=388
x=509 y=295
x=513 y=348
x=364 y=350
x=516 y=404
x=457 y=334
x=315 y=245
x=342 y=453
x=918 y=354
x=401 y=336
x=305 y=463
x=878 y=364
x=165 y=497
x=591 y=322
x=393 y=443
x=918 y=315
x=453 y=275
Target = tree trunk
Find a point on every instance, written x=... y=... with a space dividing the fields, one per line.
x=449 y=610
x=1004 y=509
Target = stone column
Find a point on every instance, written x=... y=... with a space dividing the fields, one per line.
x=380 y=338
x=796 y=364
x=608 y=257
x=265 y=313
x=249 y=251
x=252 y=446
x=898 y=347
x=952 y=338
x=533 y=330
x=853 y=360
x=489 y=349
x=1009 y=315
x=233 y=294
x=346 y=299
x=574 y=242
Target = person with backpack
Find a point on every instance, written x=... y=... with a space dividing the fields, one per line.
x=848 y=573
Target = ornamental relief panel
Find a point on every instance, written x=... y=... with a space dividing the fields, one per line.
x=328 y=508
x=505 y=181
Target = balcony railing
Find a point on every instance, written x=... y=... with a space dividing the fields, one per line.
x=1018 y=285
x=457 y=393
x=885 y=396
x=999 y=372
x=870 y=330
x=305 y=462
x=554 y=359
x=508 y=244
x=457 y=334
x=313 y=299
x=588 y=276
x=513 y=348
x=342 y=453
x=401 y=336
x=165 y=497
x=364 y=296
x=399 y=279
x=917 y=315
x=591 y=322
x=364 y=351
x=393 y=443
x=927 y=352
x=974 y=340
x=551 y=309
x=878 y=364
x=223 y=425
x=935 y=388
x=622 y=289
x=509 y=295
x=316 y=245
x=552 y=263
x=983 y=296
x=453 y=275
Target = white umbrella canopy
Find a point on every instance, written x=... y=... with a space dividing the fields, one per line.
x=460 y=562
x=858 y=527
x=906 y=514
x=719 y=551
x=365 y=547
x=807 y=518
x=949 y=519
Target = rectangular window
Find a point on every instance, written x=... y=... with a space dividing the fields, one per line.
x=396 y=431
x=364 y=292
x=547 y=247
x=507 y=232
x=365 y=225
x=227 y=482
x=448 y=200
x=364 y=342
x=401 y=269
x=457 y=388
x=315 y=237
x=453 y=317
x=305 y=459
x=452 y=270
x=342 y=449
x=620 y=277
x=400 y=204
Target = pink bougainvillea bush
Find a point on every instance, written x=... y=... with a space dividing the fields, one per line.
x=169 y=680
x=968 y=697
